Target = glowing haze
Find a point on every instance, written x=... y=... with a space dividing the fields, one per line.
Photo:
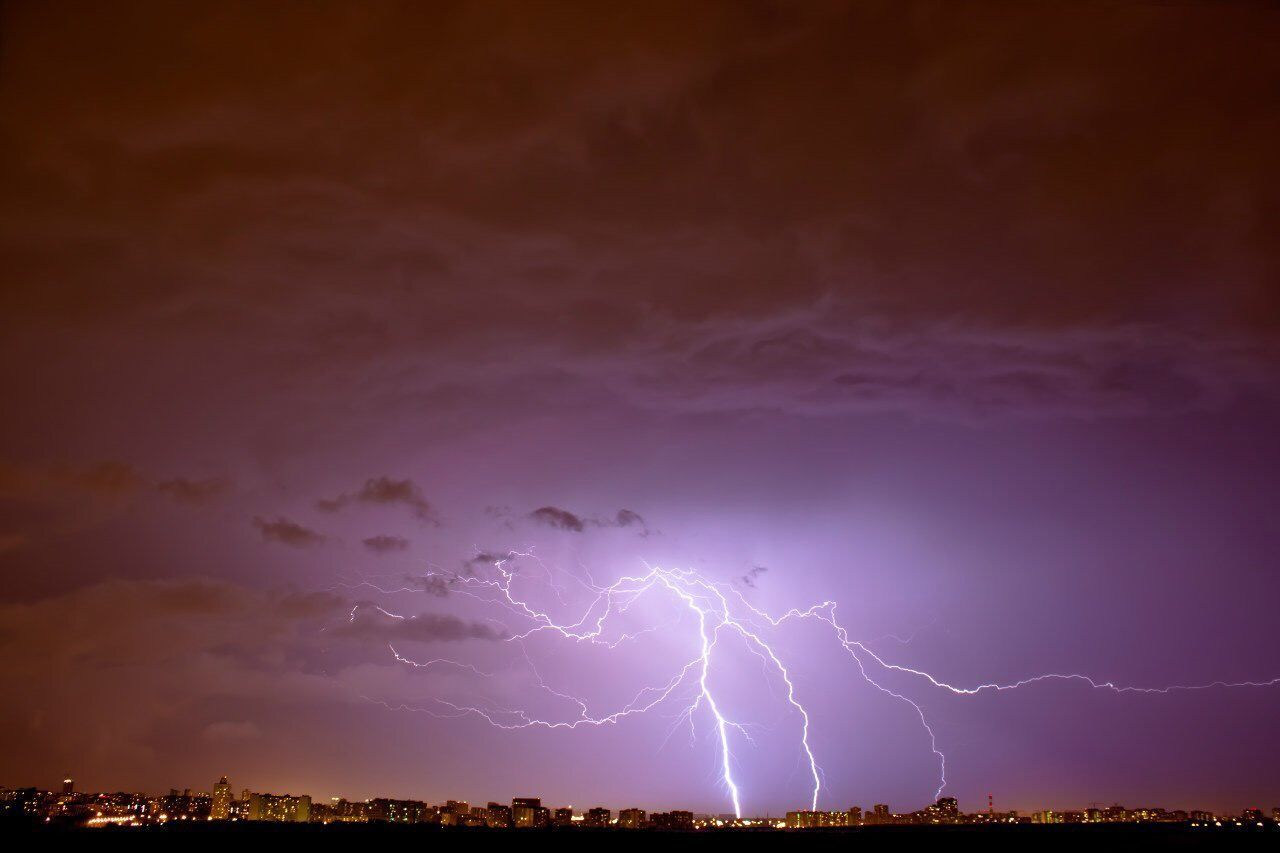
x=729 y=406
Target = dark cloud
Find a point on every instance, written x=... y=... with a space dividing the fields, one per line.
x=369 y=623
x=433 y=585
x=310 y=605
x=288 y=532
x=107 y=480
x=383 y=544
x=888 y=241
x=121 y=478
x=126 y=660
x=130 y=623
x=561 y=519
x=501 y=514
x=486 y=558
x=834 y=363
x=194 y=491
x=626 y=518
x=749 y=579
x=384 y=491
x=111 y=478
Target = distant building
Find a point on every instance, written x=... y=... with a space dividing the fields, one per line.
x=879 y=814
x=117 y=808
x=280 y=808
x=455 y=813
x=855 y=816
x=498 y=816
x=399 y=811
x=562 y=817
x=523 y=811
x=68 y=785
x=529 y=813
x=945 y=810
x=220 y=809
x=20 y=801
x=598 y=816
x=631 y=818
x=672 y=820
x=815 y=819
x=340 y=810
x=182 y=806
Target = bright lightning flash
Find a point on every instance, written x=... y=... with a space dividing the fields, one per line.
x=719 y=610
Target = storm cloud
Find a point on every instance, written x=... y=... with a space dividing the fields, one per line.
x=194 y=491
x=840 y=276
x=383 y=491
x=561 y=519
x=384 y=544
x=288 y=532
x=369 y=623
x=966 y=311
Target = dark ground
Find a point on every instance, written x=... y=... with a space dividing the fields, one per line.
x=346 y=837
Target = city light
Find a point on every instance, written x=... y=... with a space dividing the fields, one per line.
x=195 y=809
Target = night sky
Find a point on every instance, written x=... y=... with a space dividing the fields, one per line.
x=966 y=316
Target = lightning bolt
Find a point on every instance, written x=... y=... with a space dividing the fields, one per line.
x=719 y=610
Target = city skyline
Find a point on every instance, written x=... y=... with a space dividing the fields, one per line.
x=747 y=405
x=223 y=804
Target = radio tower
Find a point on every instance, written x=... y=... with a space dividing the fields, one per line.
x=991 y=806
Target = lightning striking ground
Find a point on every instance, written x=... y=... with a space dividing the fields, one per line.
x=718 y=610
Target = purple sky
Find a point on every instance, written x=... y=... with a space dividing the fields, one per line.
x=964 y=317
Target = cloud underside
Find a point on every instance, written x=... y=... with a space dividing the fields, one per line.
x=947 y=370
x=563 y=519
x=383 y=491
x=288 y=532
x=371 y=624
x=121 y=657
x=384 y=544
x=588 y=214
